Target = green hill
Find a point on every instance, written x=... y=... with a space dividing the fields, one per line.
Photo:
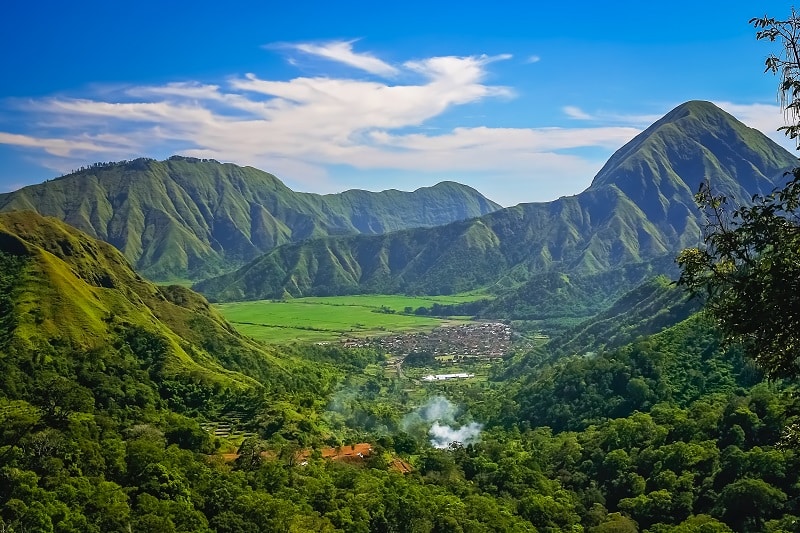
x=649 y=308
x=679 y=365
x=639 y=210
x=73 y=305
x=188 y=218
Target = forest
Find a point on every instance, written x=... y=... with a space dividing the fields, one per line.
x=671 y=433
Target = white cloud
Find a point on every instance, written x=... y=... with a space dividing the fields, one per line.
x=342 y=52
x=577 y=113
x=533 y=59
x=54 y=146
x=303 y=127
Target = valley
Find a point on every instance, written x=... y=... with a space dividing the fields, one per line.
x=337 y=318
x=391 y=361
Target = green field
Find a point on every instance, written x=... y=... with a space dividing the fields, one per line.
x=317 y=319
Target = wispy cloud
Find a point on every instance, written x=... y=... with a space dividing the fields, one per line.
x=55 y=146
x=607 y=117
x=533 y=59
x=342 y=52
x=577 y=113
x=300 y=128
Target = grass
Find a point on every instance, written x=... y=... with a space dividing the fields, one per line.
x=392 y=301
x=317 y=319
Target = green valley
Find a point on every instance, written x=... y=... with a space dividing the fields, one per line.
x=627 y=226
x=337 y=317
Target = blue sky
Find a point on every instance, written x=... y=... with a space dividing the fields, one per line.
x=522 y=100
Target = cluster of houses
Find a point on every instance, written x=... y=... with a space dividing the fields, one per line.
x=485 y=340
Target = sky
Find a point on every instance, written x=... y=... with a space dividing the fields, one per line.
x=523 y=101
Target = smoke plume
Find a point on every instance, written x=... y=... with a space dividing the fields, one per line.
x=444 y=436
x=438 y=415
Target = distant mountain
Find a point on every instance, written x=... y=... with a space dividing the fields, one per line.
x=188 y=218
x=72 y=303
x=639 y=210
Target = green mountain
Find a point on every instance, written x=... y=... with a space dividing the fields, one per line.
x=188 y=218
x=72 y=305
x=639 y=210
x=646 y=310
x=679 y=365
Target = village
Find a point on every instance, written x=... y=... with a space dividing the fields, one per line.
x=477 y=340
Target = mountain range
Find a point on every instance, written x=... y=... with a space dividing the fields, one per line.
x=625 y=227
x=186 y=218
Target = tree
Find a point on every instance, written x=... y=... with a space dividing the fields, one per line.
x=749 y=268
x=749 y=272
x=787 y=64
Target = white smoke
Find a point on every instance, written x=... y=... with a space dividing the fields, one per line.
x=438 y=415
x=444 y=436
x=439 y=408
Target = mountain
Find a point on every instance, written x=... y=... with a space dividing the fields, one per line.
x=187 y=218
x=72 y=305
x=639 y=210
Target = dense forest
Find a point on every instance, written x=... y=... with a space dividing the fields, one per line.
x=672 y=433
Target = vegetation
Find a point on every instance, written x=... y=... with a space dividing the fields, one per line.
x=749 y=273
x=337 y=317
x=671 y=433
x=749 y=268
x=648 y=309
x=638 y=419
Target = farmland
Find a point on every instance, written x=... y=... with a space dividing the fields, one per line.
x=318 y=319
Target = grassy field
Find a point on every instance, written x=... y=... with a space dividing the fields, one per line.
x=317 y=319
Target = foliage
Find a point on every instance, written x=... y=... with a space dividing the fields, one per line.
x=749 y=273
x=787 y=63
x=668 y=432
x=680 y=365
x=749 y=269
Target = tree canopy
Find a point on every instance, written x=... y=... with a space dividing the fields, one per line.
x=749 y=268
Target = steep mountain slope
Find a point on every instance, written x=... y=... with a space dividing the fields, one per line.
x=649 y=308
x=186 y=217
x=678 y=365
x=638 y=210
x=72 y=302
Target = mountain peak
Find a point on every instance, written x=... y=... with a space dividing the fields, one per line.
x=696 y=107
x=695 y=142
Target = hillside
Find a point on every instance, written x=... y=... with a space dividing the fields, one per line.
x=646 y=310
x=72 y=304
x=188 y=218
x=639 y=210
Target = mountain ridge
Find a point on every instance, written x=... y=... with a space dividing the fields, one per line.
x=71 y=293
x=186 y=217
